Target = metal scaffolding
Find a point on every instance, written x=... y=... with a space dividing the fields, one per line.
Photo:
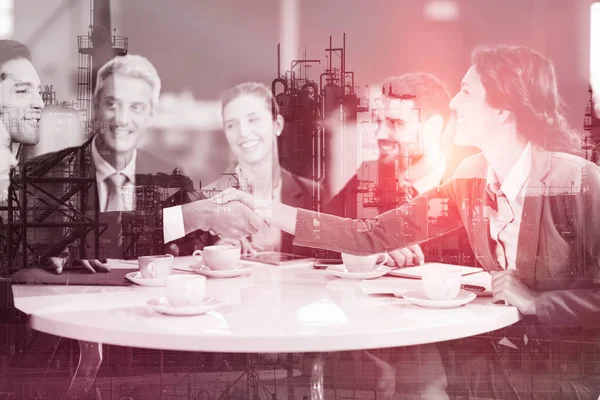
x=51 y=206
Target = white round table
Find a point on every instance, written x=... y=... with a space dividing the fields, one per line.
x=272 y=309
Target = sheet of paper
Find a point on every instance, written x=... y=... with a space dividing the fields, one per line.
x=415 y=272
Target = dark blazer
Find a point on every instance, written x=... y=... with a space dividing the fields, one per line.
x=344 y=204
x=46 y=168
x=558 y=244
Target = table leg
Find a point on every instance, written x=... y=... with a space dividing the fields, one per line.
x=90 y=360
x=316 y=378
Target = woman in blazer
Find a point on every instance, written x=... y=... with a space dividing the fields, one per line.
x=529 y=202
x=252 y=124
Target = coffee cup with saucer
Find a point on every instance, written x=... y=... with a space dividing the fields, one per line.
x=219 y=261
x=185 y=296
x=153 y=270
x=440 y=289
x=360 y=267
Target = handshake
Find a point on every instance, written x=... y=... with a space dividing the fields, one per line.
x=233 y=215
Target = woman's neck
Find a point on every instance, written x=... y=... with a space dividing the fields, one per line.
x=503 y=152
x=264 y=176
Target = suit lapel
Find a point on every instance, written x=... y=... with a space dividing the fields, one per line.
x=533 y=204
x=91 y=173
x=291 y=190
x=483 y=243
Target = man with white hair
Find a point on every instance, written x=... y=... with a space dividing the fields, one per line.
x=124 y=103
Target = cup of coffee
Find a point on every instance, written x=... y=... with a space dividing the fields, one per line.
x=156 y=267
x=363 y=263
x=220 y=257
x=185 y=290
x=441 y=282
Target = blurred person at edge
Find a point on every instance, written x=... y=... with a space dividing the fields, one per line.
x=530 y=205
x=252 y=123
x=20 y=106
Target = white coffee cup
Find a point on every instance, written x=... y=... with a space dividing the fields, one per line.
x=156 y=267
x=363 y=263
x=219 y=257
x=185 y=290
x=441 y=282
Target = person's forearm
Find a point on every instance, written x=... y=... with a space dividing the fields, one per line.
x=195 y=215
x=282 y=217
x=568 y=307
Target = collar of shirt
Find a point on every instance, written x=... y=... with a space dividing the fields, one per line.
x=276 y=189
x=104 y=169
x=432 y=179
x=10 y=160
x=516 y=178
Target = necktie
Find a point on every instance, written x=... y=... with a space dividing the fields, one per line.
x=116 y=200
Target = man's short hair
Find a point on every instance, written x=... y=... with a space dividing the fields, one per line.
x=133 y=66
x=430 y=94
x=12 y=50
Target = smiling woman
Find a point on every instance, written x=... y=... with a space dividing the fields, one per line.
x=252 y=123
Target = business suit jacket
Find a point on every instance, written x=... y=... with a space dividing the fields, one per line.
x=558 y=245
x=146 y=163
x=344 y=204
x=296 y=191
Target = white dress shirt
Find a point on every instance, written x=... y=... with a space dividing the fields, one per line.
x=104 y=170
x=505 y=223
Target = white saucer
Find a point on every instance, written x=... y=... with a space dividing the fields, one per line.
x=341 y=272
x=137 y=278
x=213 y=273
x=419 y=298
x=162 y=306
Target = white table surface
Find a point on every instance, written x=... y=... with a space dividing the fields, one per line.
x=272 y=309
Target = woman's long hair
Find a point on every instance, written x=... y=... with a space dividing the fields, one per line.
x=523 y=81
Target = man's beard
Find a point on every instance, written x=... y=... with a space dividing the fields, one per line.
x=397 y=155
x=19 y=129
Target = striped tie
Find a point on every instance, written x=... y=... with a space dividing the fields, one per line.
x=117 y=193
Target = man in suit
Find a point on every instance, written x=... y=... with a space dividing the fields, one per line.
x=20 y=105
x=124 y=102
x=411 y=115
x=411 y=118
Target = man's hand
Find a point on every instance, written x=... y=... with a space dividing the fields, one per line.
x=262 y=207
x=411 y=255
x=273 y=213
x=91 y=266
x=232 y=220
x=506 y=286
